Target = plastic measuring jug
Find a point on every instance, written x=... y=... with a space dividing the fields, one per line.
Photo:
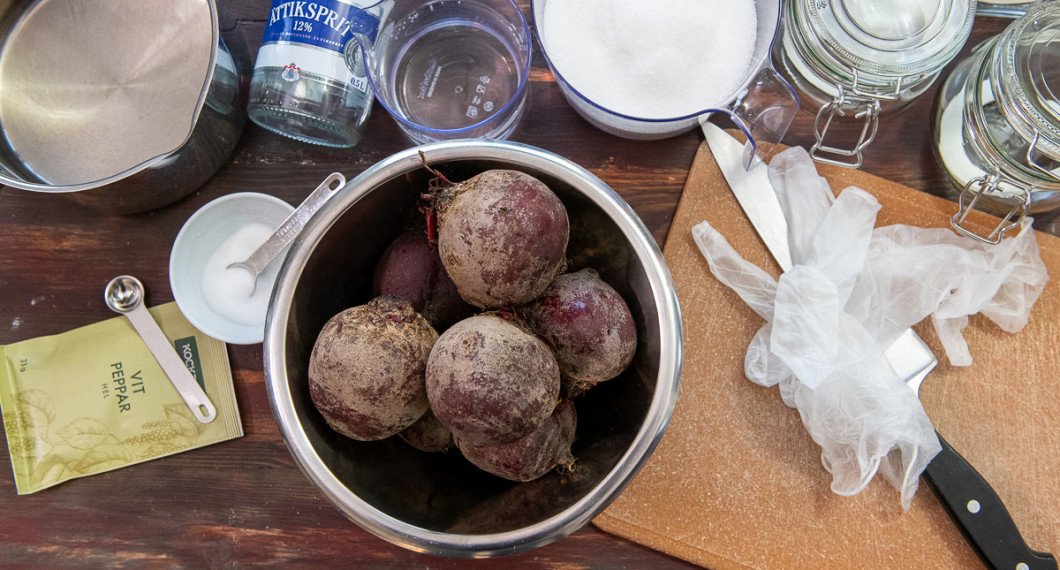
x=447 y=69
x=762 y=107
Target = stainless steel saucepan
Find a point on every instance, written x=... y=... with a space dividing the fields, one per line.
x=122 y=106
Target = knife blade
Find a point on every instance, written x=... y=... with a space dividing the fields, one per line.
x=753 y=191
x=970 y=500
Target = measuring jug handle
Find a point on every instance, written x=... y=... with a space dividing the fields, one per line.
x=763 y=111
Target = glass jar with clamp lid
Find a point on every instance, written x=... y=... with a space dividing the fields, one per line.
x=996 y=130
x=853 y=59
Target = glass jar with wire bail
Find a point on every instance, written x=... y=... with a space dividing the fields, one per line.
x=852 y=60
x=996 y=129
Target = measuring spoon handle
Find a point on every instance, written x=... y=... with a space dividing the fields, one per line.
x=194 y=396
x=292 y=226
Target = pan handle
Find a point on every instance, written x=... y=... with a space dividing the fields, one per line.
x=980 y=514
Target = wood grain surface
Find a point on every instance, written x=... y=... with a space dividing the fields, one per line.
x=244 y=502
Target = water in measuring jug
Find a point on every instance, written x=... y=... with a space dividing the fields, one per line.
x=453 y=75
x=449 y=69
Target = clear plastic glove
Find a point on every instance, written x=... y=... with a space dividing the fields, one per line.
x=935 y=272
x=851 y=292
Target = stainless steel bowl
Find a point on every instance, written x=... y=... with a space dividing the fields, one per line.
x=439 y=503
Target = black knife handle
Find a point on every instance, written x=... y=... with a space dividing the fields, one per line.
x=981 y=515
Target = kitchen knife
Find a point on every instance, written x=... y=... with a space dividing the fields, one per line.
x=970 y=500
x=754 y=193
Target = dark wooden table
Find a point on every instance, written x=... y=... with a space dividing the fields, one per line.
x=244 y=502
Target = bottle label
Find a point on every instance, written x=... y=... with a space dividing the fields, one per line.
x=303 y=37
x=327 y=24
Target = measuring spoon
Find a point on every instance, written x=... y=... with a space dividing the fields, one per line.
x=289 y=229
x=125 y=294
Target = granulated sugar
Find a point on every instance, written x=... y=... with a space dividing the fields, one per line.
x=231 y=292
x=652 y=59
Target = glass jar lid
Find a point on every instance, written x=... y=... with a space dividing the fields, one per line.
x=1029 y=66
x=893 y=38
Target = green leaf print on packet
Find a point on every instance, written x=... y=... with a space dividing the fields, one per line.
x=94 y=399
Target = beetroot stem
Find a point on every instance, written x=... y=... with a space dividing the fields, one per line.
x=434 y=171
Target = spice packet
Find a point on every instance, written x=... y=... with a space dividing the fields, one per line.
x=94 y=399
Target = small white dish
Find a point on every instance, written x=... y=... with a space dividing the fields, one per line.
x=201 y=235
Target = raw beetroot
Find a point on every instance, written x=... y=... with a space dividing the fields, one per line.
x=366 y=371
x=411 y=269
x=491 y=381
x=532 y=456
x=589 y=327
x=502 y=237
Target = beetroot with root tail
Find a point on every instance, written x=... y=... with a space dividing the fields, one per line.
x=366 y=371
x=589 y=327
x=502 y=236
x=532 y=456
x=411 y=269
x=491 y=381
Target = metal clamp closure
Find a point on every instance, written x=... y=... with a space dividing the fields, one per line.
x=975 y=189
x=862 y=108
x=893 y=96
x=1033 y=163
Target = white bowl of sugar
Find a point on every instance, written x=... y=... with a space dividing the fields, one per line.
x=225 y=303
x=648 y=70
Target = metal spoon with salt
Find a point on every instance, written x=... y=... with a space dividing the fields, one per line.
x=125 y=295
x=290 y=228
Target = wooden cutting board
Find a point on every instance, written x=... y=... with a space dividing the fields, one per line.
x=737 y=482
